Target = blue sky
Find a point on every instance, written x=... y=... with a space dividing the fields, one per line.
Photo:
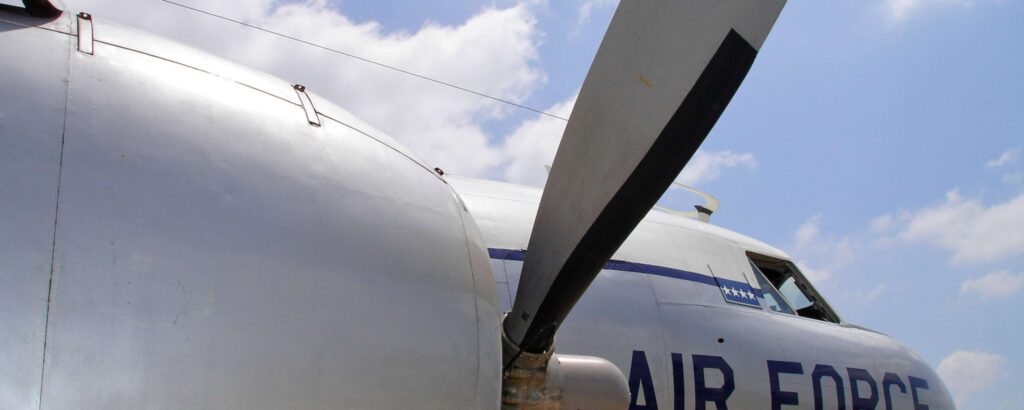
x=854 y=114
x=879 y=142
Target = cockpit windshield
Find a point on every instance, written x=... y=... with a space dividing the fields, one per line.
x=773 y=299
x=787 y=291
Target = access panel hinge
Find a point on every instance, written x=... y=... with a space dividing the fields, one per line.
x=85 y=41
x=307 y=105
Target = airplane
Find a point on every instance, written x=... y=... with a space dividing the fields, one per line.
x=182 y=232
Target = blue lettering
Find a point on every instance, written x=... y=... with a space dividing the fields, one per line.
x=703 y=394
x=678 y=382
x=824 y=370
x=857 y=376
x=640 y=375
x=780 y=397
x=642 y=384
x=891 y=379
x=915 y=384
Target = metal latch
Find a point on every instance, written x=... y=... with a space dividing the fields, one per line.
x=307 y=105
x=85 y=42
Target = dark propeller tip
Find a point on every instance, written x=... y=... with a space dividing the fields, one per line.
x=43 y=8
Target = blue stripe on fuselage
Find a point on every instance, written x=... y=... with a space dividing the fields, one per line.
x=520 y=255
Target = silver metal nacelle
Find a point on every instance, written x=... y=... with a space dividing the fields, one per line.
x=549 y=381
x=558 y=381
x=182 y=232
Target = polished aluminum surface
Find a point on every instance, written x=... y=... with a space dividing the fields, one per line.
x=35 y=70
x=590 y=383
x=548 y=381
x=214 y=250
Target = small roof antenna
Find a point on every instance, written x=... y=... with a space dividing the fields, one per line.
x=703 y=212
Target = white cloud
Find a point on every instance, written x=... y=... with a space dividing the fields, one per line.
x=820 y=256
x=994 y=285
x=815 y=274
x=707 y=166
x=808 y=231
x=588 y=7
x=882 y=223
x=968 y=372
x=494 y=52
x=1006 y=158
x=533 y=145
x=971 y=230
x=439 y=124
x=900 y=10
x=875 y=293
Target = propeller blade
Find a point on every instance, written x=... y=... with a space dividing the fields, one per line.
x=664 y=73
x=44 y=8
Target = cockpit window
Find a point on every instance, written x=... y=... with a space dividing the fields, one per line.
x=789 y=290
x=772 y=298
x=792 y=293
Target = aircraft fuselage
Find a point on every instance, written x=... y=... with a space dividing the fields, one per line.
x=182 y=232
x=659 y=313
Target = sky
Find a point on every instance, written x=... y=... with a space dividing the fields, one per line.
x=879 y=142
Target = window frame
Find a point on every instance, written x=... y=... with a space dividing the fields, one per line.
x=801 y=282
x=763 y=281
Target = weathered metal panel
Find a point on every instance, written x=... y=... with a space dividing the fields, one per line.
x=146 y=43
x=216 y=251
x=32 y=94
